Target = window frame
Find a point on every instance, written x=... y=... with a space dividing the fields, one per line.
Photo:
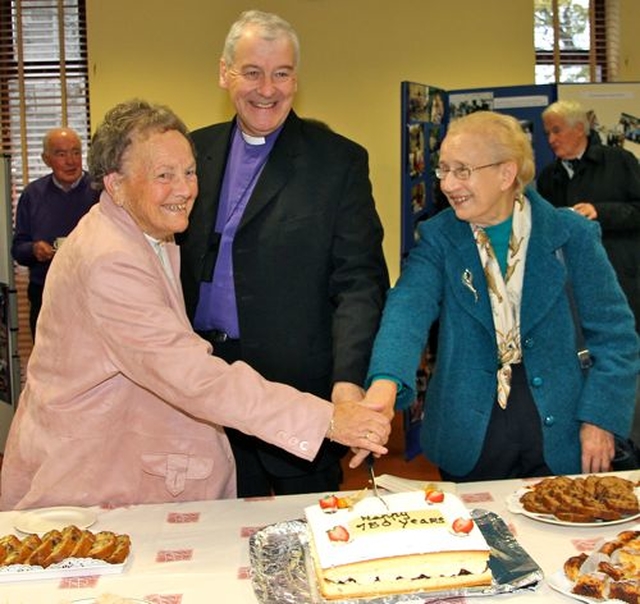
x=24 y=143
x=595 y=57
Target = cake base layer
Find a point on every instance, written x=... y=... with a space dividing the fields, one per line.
x=407 y=574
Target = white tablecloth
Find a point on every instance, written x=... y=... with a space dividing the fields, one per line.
x=198 y=553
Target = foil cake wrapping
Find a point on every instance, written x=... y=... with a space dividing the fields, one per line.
x=282 y=570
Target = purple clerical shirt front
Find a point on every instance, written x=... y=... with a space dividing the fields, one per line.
x=217 y=302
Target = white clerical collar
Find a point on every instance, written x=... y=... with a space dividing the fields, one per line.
x=253 y=140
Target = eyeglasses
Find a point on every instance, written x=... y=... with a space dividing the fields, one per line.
x=463 y=172
x=280 y=76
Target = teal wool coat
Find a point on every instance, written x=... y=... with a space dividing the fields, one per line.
x=462 y=390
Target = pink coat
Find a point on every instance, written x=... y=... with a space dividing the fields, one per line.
x=123 y=402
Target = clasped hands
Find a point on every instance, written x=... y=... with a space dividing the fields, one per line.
x=43 y=251
x=363 y=421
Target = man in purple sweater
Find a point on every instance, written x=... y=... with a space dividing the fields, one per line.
x=48 y=210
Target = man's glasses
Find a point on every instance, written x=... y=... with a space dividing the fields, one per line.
x=280 y=76
x=462 y=172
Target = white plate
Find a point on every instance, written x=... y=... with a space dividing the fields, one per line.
x=70 y=567
x=560 y=583
x=46 y=519
x=514 y=505
x=397 y=484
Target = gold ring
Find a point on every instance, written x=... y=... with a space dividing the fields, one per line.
x=367 y=435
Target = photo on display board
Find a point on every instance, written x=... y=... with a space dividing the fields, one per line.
x=630 y=126
x=436 y=106
x=424 y=111
x=417 y=103
x=527 y=126
x=415 y=152
x=615 y=134
x=418 y=197
x=463 y=104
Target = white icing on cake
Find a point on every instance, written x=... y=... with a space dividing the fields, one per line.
x=409 y=526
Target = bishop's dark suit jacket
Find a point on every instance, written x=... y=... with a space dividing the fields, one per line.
x=309 y=270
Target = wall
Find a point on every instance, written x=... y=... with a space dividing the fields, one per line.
x=629 y=47
x=355 y=53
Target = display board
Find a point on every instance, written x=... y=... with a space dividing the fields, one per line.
x=424 y=119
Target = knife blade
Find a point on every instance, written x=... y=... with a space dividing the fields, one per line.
x=370 y=459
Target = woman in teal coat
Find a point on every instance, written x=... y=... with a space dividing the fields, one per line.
x=508 y=397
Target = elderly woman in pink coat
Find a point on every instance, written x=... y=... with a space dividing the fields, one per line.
x=123 y=402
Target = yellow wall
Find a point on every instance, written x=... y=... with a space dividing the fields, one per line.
x=355 y=53
x=629 y=46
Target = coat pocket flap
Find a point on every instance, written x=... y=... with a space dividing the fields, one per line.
x=177 y=468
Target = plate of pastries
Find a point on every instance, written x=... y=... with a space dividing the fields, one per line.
x=59 y=552
x=611 y=572
x=591 y=500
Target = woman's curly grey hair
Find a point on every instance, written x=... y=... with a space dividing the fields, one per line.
x=134 y=118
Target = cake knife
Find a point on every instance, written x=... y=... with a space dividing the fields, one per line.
x=370 y=459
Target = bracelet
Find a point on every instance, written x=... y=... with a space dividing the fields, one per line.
x=331 y=429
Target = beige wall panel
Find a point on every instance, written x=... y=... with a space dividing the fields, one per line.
x=629 y=44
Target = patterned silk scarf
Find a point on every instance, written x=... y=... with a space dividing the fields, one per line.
x=505 y=293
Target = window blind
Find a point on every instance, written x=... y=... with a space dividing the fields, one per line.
x=612 y=39
x=576 y=40
x=43 y=84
